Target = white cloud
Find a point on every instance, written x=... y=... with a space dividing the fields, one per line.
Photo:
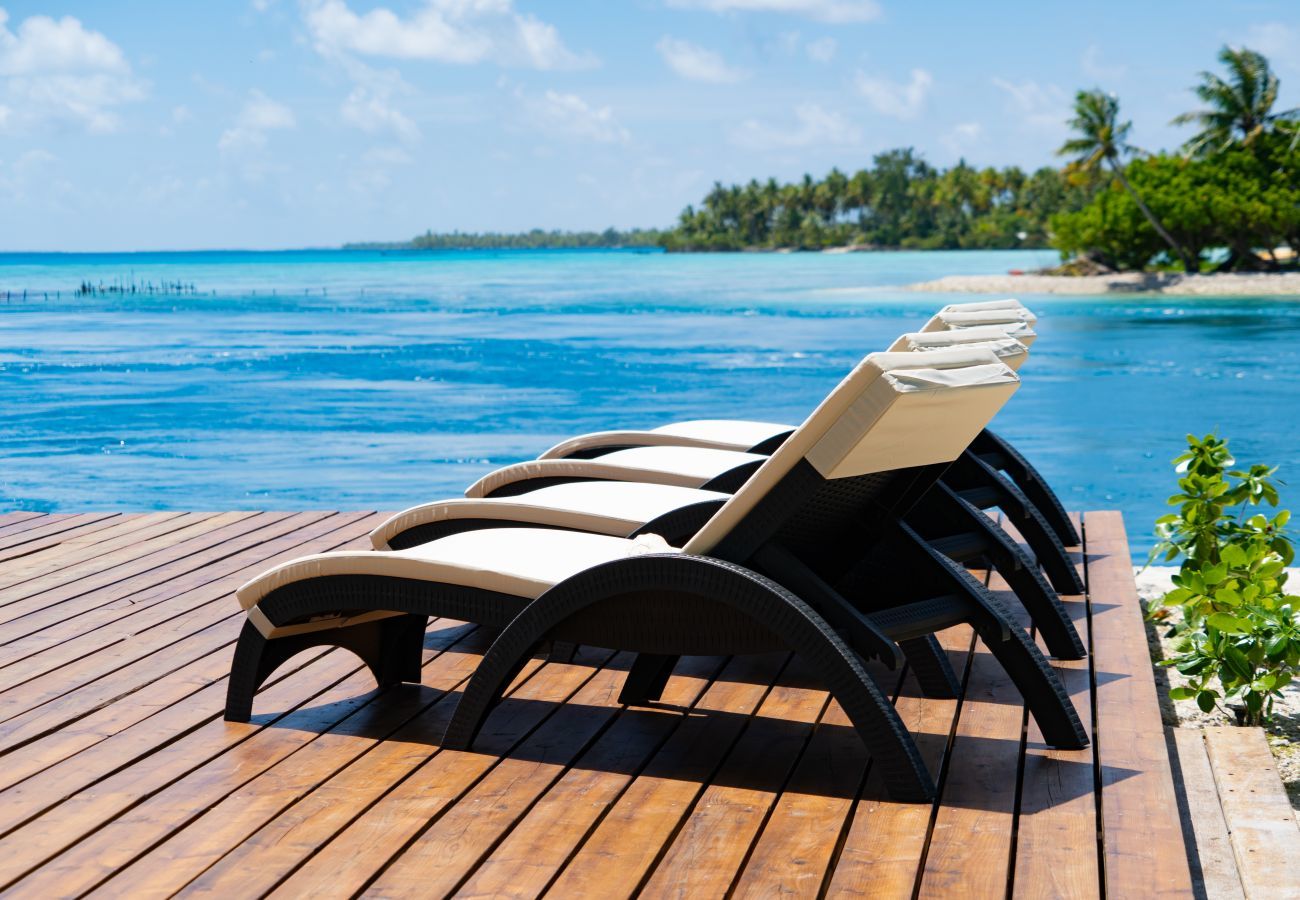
x=695 y=63
x=58 y=70
x=1040 y=107
x=961 y=137
x=371 y=104
x=570 y=115
x=448 y=31
x=813 y=126
x=1279 y=42
x=822 y=50
x=1094 y=66
x=181 y=114
x=821 y=10
x=889 y=98
x=260 y=115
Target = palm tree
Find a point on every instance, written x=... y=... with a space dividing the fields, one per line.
x=1102 y=138
x=1240 y=107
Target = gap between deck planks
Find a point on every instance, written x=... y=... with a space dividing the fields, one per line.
x=119 y=774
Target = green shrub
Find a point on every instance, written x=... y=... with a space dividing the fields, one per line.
x=1239 y=626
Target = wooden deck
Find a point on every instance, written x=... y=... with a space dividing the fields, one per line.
x=118 y=775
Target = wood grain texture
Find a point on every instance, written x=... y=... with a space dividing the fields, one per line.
x=1142 y=837
x=1261 y=824
x=118 y=775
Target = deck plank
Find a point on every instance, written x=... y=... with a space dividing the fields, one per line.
x=622 y=849
x=71 y=591
x=51 y=532
x=355 y=856
x=191 y=844
x=714 y=840
x=119 y=775
x=1056 y=826
x=1261 y=823
x=1143 y=839
x=117 y=672
x=161 y=697
x=136 y=609
x=539 y=844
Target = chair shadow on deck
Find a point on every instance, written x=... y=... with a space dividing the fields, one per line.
x=542 y=731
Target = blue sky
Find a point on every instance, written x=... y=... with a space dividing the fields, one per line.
x=290 y=123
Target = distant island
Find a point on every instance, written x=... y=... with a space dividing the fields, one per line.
x=1228 y=200
x=537 y=239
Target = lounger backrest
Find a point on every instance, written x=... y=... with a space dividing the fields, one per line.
x=991 y=337
x=894 y=411
x=990 y=306
x=1015 y=324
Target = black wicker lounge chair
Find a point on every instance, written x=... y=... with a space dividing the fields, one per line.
x=992 y=473
x=946 y=518
x=752 y=579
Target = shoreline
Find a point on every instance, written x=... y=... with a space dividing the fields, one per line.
x=1222 y=284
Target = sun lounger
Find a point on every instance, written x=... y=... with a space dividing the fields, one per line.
x=991 y=474
x=789 y=521
x=991 y=321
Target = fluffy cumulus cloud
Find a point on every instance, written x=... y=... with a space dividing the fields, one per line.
x=813 y=126
x=840 y=11
x=447 y=31
x=696 y=63
x=372 y=105
x=569 y=115
x=259 y=116
x=899 y=100
x=57 y=70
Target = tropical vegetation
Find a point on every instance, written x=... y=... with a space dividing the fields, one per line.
x=1226 y=199
x=528 y=240
x=1231 y=194
x=1235 y=624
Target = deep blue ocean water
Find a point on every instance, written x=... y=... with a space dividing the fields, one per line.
x=368 y=380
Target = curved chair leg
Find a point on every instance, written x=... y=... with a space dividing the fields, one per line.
x=994 y=490
x=931 y=667
x=647 y=678
x=1034 y=485
x=1022 y=575
x=391 y=648
x=1038 y=683
x=781 y=613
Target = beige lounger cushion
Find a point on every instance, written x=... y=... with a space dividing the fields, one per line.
x=990 y=305
x=888 y=413
x=607 y=507
x=695 y=433
x=994 y=337
x=523 y=562
x=1016 y=323
x=682 y=466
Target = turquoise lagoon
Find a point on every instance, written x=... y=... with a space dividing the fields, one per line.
x=372 y=380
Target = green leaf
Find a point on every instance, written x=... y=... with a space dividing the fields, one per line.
x=1237 y=661
x=1205 y=700
x=1182 y=693
x=1229 y=624
x=1234 y=556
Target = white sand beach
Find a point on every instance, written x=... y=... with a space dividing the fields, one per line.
x=1227 y=284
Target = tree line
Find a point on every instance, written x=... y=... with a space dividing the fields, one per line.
x=901 y=201
x=1226 y=199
